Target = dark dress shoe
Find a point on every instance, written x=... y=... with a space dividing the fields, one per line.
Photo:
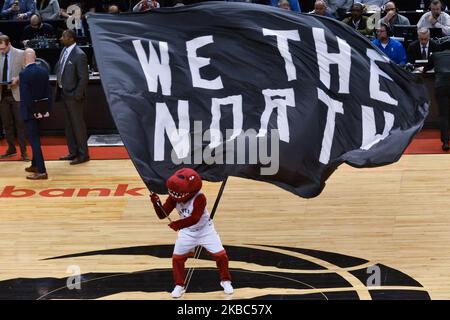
x=25 y=157
x=38 y=176
x=8 y=154
x=32 y=169
x=79 y=160
x=68 y=157
x=445 y=146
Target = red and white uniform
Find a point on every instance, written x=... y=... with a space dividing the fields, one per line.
x=200 y=234
x=195 y=228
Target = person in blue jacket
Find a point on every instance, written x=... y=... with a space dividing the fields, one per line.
x=295 y=5
x=391 y=47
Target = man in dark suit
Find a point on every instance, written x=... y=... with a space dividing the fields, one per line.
x=34 y=87
x=440 y=61
x=358 y=21
x=72 y=80
x=2 y=134
x=103 y=5
x=423 y=47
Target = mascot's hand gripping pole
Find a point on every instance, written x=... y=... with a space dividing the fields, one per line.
x=160 y=206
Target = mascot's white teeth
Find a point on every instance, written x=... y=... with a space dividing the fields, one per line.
x=177 y=195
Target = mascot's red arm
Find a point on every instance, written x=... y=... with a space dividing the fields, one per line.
x=197 y=212
x=168 y=206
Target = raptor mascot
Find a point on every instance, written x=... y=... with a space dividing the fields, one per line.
x=194 y=227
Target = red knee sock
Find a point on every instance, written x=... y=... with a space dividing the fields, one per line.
x=178 y=268
x=222 y=264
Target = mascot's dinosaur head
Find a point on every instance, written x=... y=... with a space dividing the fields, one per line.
x=184 y=184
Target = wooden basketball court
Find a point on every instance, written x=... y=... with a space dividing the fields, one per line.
x=280 y=246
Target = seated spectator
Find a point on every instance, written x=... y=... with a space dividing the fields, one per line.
x=320 y=9
x=114 y=9
x=357 y=21
x=104 y=5
x=37 y=29
x=284 y=4
x=145 y=5
x=391 y=47
x=391 y=16
x=293 y=4
x=48 y=9
x=373 y=5
x=423 y=47
x=435 y=18
x=339 y=8
x=18 y=9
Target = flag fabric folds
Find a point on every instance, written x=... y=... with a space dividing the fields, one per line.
x=246 y=90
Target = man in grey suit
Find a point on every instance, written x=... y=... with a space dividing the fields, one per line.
x=11 y=63
x=72 y=80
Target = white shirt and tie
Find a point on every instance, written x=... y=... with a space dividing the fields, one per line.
x=6 y=70
x=7 y=57
x=62 y=63
x=424 y=50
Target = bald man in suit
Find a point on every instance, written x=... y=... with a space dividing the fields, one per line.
x=35 y=89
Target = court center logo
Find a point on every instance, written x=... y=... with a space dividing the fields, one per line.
x=265 y=272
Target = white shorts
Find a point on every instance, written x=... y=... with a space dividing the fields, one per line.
x=207 y=237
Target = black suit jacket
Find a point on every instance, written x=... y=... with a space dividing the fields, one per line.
x=440 y=61
x=75 y=76
x=34 y=85
x=415 y=50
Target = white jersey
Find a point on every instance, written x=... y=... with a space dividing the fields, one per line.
x=185 y=210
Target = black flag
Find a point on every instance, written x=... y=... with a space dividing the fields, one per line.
x=252 y=91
